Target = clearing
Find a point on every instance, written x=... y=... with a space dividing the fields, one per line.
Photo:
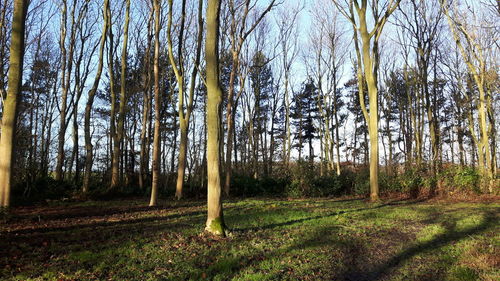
x=270 y=239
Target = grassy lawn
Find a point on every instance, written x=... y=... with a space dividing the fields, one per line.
x=313 y=239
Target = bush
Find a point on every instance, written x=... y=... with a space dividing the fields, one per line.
x=467 y=178
x=411 y=181
x=43 y=188
x=389 y=183
x=327 y=185
x=273 y=185
x=361 y=184
x=346 y=179
x=305 y=181
x=301 y=180
x=243 y=185
x=461 y=179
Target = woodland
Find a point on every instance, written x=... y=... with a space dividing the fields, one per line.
x=249 y=139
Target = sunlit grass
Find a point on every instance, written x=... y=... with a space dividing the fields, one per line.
x=269 y=239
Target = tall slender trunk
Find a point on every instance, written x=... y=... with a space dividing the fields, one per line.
x=370 y=69
x=119 y=127
x=90 y=101
x=485 y=144
x=215 y=219
x=64 y=96
x=156 y=137
x=76 y=145
x=184 y=117
x=181 y=166
x=230 y=123
x=113 y=143
x=146 y=109
x=9 y=116
x=288 y=142
x=337 y=134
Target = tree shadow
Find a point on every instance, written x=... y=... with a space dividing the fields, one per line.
x=355 y=259
x=404 y=202
x=63 y=212
x=35 y=251
x=451 y=235
x=231 y=266
x=100 y=224
x=107 y=235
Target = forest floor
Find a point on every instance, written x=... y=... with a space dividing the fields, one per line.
x=269 y=239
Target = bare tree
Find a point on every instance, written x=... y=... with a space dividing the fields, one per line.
x=179 y=71
x=215 y=219
x=89 y=148
x=468 y=40
x=10 y=104
x=239 y=31
x=156 y=137
x=368 y=64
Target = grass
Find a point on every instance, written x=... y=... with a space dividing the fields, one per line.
x=314 y=239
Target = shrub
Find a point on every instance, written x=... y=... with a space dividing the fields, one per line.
x=361 y=184
x=461 y=179
x=467 y=178
x=43 y=188
x=327 y=185
x=346 y=179
x=301 y=180
x=273 y=185
x=389 y=183
x=243 y=185
x=411 y=181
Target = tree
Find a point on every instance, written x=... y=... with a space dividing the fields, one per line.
x=117 y=129
x=146 y=104
x=215 y=219
x=468 y=40
x=71 y=45
x=5 y=24
x=179 y=70
x=304 y=113
x=368 y=65
x=9 y=116
x=156 y=136
x=329 y=53
x=421 y=21
x=261 y=78
x=239 y=32
x=288 y=36
x=360 y=133
x=89 y=148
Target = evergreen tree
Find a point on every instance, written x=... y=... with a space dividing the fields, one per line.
x=304 y=113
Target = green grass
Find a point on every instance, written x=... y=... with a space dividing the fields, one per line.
x=269 y=239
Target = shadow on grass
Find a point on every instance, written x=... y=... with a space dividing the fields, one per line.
x=451 y=235
x=228 y=267
x=356 y=262
x=101 y=224
x=327 y=215
x=64 y=212
x=107 y=235
x=55 y=249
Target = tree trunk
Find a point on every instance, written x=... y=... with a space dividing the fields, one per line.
x=215 y=218
x=337 y=134
x=64 y=90
x=181 y=167
x=90 y=101
x=145 y=109
x=230 y=135
x=119 y=127
x=9 y=117
x=184 y=118
x=156 y=136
